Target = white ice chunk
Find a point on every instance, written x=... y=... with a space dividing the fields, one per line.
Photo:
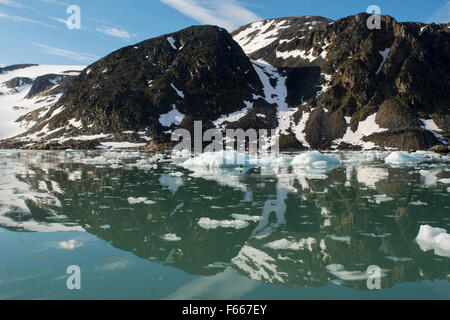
x=314 y=159
x=220 y=159
x=170 y=237
x=284 y=244
x=436 y=239
x=207 y=223
x=403 y=158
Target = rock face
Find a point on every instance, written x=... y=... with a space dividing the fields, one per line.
x=318 y=83
x=198 y=72
x=400 y=73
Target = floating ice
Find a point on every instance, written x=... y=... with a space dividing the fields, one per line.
x=340 y=238
x=246 y=217
x=132 y=200
x=181 y=154
x=436 y=239
x=96 y=160
x=70 y=245
x=445 y=181
x=207 y=223
x=403 y=158
x=418 y=203
x=170 y=237
x=379 y=198
x=279 y=161
x=220 y=159
x=284 y=244
x=314 y=159
x=398 y=259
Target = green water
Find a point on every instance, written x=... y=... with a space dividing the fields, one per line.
x=333 y=226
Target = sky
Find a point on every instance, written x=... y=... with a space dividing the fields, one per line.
x=35 y=31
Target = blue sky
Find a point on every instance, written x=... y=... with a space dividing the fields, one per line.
x=34 y=31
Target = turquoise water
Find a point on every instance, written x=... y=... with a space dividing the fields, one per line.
x=138 y=229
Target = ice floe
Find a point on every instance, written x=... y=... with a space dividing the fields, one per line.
x=246 y=217
x=207 y=223
x=220 y=159
x=403 y=158
x=171 y=237
x=284 y=244
x=315 y=159
x=436 y=239
x=132 y=200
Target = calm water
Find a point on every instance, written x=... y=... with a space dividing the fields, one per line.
x=309 y=234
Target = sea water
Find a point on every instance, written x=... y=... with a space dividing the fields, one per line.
x=146 y=226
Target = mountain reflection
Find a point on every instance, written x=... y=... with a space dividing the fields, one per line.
x=312 y=229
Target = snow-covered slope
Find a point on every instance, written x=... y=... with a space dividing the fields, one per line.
x=259 y=35
x=15 y=86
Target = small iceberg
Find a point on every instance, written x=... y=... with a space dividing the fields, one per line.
x=436 y=239
x=403 y=159
x=132 y=200
x=315 y=159
x=171 y=237
x=207 y=223
x=246 y=217
x=220 y=159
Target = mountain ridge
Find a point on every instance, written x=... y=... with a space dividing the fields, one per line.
x=321 y=84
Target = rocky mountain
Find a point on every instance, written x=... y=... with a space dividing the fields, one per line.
x=355 y=86
x=320 y=83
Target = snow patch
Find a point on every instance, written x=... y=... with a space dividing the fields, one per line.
x=172 y=117
x=171 y=41
x=365 y=128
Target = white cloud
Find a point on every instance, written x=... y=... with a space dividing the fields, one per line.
x=120 y=33
x=59 y=20
x=229 y=14
x=15 y=4
x=23 y=19
x=55 y=2
x=79 y=56
x=442 y=15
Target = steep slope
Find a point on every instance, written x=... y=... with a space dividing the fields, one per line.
x=26 y=88
x=355 y=87
x=139 y=92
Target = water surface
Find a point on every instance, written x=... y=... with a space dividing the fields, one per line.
x=133 y=228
